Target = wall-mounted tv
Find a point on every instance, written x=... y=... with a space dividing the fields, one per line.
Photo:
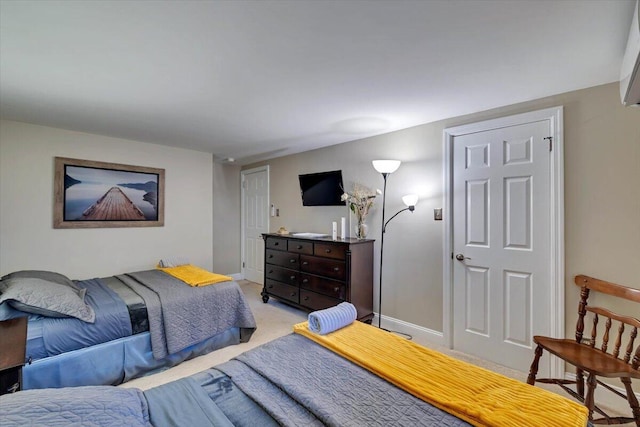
x=321 y=189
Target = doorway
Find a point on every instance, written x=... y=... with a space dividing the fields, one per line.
x=504 y=251
x=255 y=221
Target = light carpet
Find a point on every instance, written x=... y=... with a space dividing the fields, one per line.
x=276 y=319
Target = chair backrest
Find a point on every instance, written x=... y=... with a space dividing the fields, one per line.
x=627 y=324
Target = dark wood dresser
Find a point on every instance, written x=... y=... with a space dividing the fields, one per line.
x=318 y=273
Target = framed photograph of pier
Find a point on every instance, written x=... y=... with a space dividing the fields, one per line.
x=91 y=194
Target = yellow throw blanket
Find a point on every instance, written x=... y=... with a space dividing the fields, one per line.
x=476 y=395
x=195 y=276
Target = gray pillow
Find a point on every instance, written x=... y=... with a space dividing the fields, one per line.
x=41 y=274
x=38 y=296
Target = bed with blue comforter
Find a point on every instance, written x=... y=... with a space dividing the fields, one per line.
x=117 y=328
x=291 y=381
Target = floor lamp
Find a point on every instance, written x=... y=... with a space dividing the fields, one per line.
x=386 y=167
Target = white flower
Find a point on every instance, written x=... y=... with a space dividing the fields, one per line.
x=360 y=200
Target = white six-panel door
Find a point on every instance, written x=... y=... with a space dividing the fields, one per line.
x=255 y=221
x=502 y=221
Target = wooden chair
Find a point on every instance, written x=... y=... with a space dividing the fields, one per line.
x=595 y=360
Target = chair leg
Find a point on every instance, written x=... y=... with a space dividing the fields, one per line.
x=633 y=401
x=533 y=371
x=580 y=382
x=591 y=388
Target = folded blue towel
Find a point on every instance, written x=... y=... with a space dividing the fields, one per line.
x=330 y=319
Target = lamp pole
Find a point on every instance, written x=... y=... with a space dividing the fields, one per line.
x=384 y=197
x=409 y=208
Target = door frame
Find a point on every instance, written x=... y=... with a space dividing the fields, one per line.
x=556 y=256
x=243 y=208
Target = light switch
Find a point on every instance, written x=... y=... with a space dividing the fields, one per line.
x=437 y=214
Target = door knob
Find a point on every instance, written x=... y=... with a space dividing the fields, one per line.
x=461 y=257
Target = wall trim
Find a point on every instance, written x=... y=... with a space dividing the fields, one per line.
x=419 y=333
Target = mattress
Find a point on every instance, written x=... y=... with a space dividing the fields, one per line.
x=291 y=381
x=120 y=345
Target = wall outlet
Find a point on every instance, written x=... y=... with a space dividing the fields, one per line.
x=437 y=214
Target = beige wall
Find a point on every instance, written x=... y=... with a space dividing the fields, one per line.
x=602 y=198
x=412 y=262
x=226 y=218
x=602 y=202
x=27 y=237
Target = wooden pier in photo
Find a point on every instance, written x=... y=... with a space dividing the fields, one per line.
x=114 y=205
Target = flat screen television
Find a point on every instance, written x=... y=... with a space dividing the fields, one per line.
x=321 y=189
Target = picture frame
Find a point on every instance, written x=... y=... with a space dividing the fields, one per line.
x=93 y=194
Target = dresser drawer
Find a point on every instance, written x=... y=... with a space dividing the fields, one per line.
x=316 y=301
x=313 y=274
x=323 y=267
x=289 y=293
x=323 y=286
x=300 y=247
x=276 y=243
x=330 y=251
x=284 y=259
x=282 y=274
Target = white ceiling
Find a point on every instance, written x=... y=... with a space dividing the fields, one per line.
x=260 y=79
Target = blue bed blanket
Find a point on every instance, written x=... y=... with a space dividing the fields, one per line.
x=290 y=381
x=78 y=406
x=60 y=335
x=301 y=383
x=181 y=316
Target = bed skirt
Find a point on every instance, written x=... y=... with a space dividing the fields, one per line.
x=115 y=362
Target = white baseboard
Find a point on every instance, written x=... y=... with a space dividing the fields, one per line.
x=419 y=334
x=237 y=276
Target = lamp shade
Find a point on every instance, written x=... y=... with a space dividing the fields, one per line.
x=410 y=199
x=386 y=166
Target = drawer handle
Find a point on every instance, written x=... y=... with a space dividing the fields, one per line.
x=305 y=262
x=292 y=277
x=306 y=298
x=336 y=268
x=270 y=286
x=270 y=256
x=292 y=261
x=299 y=246
x=305 y=280
x=293 y=294
x=336 y=289
x=328 y=251
x=270 y=271
x=276 y=243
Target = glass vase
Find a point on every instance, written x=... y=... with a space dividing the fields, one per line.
x=361 y=230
